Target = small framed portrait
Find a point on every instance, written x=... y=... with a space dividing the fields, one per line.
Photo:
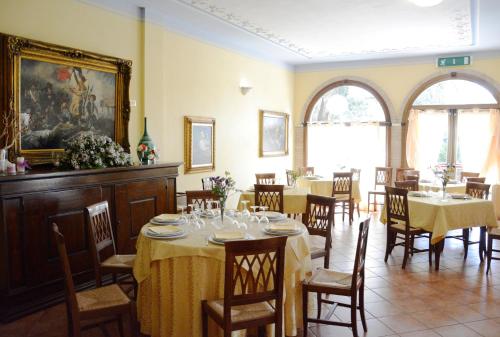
x=273 y=133
x=199 y=144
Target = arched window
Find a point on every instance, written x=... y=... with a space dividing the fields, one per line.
x=347 y=127
x=454 y=121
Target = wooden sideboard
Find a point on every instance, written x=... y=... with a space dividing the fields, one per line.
x=30 y=272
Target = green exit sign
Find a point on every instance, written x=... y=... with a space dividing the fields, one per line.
x=453 y=61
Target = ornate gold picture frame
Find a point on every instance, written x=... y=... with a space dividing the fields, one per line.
x=55 y=93
x=199 y=144
x=273 y=133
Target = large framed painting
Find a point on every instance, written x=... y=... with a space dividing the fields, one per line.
x=199 y=144
x=58 y=93
x=273 y=138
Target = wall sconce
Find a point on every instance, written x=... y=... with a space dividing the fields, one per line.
x=245 y=86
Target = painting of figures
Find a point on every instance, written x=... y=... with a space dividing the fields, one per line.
x=59 y=102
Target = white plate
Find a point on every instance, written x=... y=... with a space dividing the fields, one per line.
x=282 y=233
x=417 y=194
x=165 y=237
x=177 y=223
x=271 y=215
x=460 y=196
x=213 y=240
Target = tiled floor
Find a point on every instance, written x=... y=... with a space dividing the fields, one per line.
x=458 y=301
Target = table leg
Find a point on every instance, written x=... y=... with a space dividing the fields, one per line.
x=438 y=248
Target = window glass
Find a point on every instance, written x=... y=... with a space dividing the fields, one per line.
x=455 y=92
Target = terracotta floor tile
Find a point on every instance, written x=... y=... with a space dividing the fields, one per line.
x=425 y=333
x=486 y=328
x=403 y=323
x=434 y=318
x=464 y=313
x=458 y=330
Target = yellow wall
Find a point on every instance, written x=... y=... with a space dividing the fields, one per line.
x=173 y=76
x=395 y=83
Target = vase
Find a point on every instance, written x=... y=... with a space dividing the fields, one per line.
x=146 y=140
x=222 y=203
x=3 y=161
x=444 y=191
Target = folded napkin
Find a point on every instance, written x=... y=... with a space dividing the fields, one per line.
x=283 y=227
x=166 y=217
x=162 y=230
x=229 y=235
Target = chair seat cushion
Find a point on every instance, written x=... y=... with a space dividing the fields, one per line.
x=330 y=278
x=495 y=231
x=242 y=313
x=341 y=197
x=317 y=245
x=101 y=298
x=119 y=261
x=401 y=227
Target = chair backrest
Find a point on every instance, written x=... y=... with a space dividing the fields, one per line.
x=495 y=197
x=396 y=206
x=319 y=216
x=466 y=175
x=411 y=175
x=356 y=174
x=289 y=177
x=270 y=196
x=383 y=176
x=207 y=183
x=410 y=185
x=400 y=172
x=100 y=232
x=200 y=198
x=342 y=183
x=265 y=178
x=69 y=286
x=358 y=272
x=477 y=190
x=254 y=272
x=475 y=180
x=306 y=171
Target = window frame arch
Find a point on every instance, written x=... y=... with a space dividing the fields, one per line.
x=478 y=79
x=348 y=82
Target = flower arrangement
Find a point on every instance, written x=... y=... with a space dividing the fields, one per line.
x=444 y=174
x=221 y=187
x=88 y=151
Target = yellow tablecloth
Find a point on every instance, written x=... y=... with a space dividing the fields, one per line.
x=174 y=276
x=324 y=187
x=450 y=188
x=294 y=200
x=439 y=217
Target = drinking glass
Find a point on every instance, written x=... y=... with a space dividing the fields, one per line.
x=254 y=217
x=183 y=217
x=245 y=213
x=264 y=219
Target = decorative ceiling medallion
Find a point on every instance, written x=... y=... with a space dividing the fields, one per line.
x=451 y=29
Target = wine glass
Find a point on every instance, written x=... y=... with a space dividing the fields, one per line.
x=254 y=217
x=264 y=219
x=245 y=213
x=183 y=217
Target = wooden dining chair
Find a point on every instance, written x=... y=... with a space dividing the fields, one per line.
x=411 y=175
x=253 y=288
x=342 y=192
x=399 y=227
x=383 y=177
x=270 y=196
x=306 y=171
x=481 y=180
x=200 y=198
x=400 y=173
x=494 y=233
x=319 y=219
x=265 y=178
x=103 y=248
x=92 y=308
x=207 y=184
x=330 y=282
x=356 y=176
x=478 y=191
x=466 y=175
x=410 y=185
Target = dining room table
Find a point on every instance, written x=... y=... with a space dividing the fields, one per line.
x=175 y=275
x=294 y=199
x=323 y=186
x=429 y=211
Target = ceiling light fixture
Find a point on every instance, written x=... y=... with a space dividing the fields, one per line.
x=426 y=3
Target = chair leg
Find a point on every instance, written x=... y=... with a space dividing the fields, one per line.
x=354 y=309
x=465 y=238
x=343 y=211
x=388 y=245
x=305 y=298
x=204 y=319
x=430 y=250
x=362 y=305
x=318 y=299
x=357 y=207
x=412 y=244
x=261 y=331
x=488 y=253
x=482 y=243
x=407 y=249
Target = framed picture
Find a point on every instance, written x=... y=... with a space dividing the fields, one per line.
x=199 y=144
x=273 y=133
x=58 y=93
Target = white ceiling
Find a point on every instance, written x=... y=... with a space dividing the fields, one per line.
x=301 y=32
